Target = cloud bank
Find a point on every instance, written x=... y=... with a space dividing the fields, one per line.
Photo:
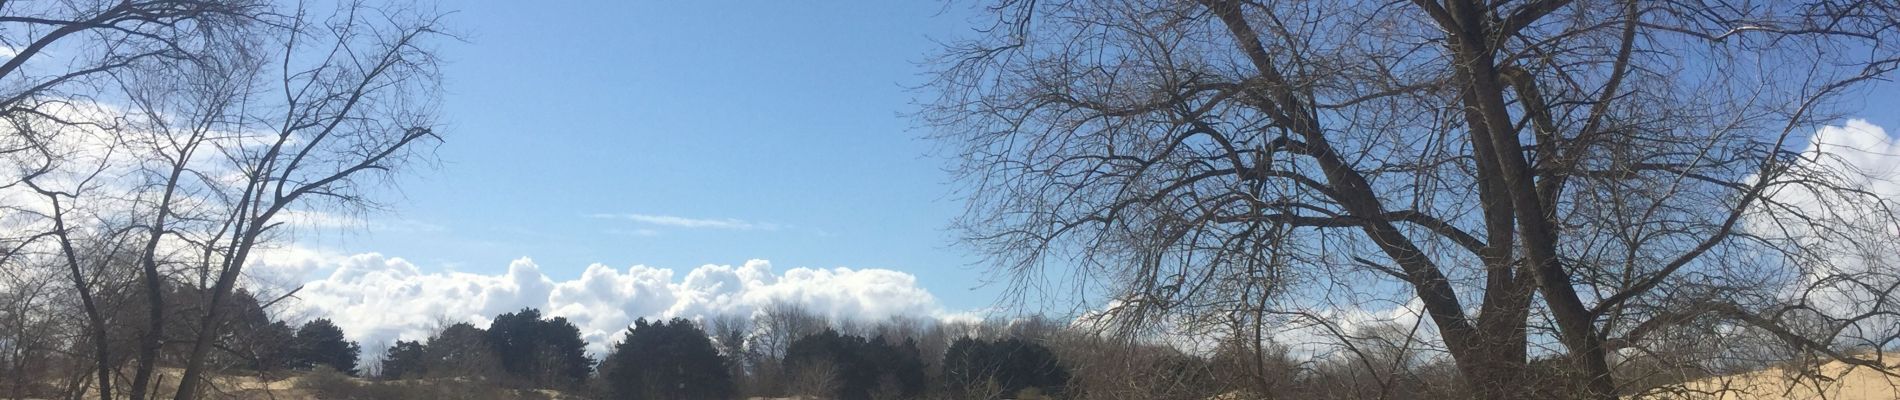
x=377 y=299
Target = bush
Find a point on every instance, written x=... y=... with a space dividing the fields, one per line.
x=328 y=383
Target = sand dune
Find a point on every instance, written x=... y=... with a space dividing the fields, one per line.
x=1839 y=381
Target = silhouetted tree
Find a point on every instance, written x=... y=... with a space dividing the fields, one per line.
x=863 y=367
x=903 y=367
x=321 y=343
x=256 y=342
x=403 y=359
x=544 y=352
x=774 y=329
x=666 y=360
x=729 y=333
x=460 y=350
x=1007 y=365
x=271 y=346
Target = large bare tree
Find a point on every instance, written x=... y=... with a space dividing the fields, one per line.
x=62 y=56
x=186 y=135
x=347 y=99
x=1545 y=178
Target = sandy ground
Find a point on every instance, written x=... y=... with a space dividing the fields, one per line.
x=242 y=387
x=1842 y=382
x=251 y=387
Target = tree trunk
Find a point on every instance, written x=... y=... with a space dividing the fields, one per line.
x=208 y=328
x=101 y=354
x=150 y=341
x=1576 y=327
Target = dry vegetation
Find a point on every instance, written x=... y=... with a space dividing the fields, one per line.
x=328 y=384
x=1845 y=383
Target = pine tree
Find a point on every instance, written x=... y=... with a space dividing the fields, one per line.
x=404 y=359
x=460 y=350
x=1010 y=365
x=866 y=368
x=321 y=343
x=541 y=352
x=666 y=360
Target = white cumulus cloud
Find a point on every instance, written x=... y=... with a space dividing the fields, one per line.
x=1857 y=249
x=378 y=299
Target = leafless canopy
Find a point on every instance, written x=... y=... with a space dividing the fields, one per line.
x=148 y=146
x=1543 y=178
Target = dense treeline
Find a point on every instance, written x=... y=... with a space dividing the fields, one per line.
x=677 y=358
x=523 y=352
x=1026 y=358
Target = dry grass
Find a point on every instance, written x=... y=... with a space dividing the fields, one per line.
x=230 y=387
x=330 y=385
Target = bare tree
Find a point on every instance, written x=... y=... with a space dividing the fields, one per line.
x=1115 y=368
x=351 y=102
x=774 y=328
x=1253 y=367
x=729 y=332
x=29 y=343
x=64 y=58
x=151 y=146
x=61 y=52
x=1534 y=173
x=78 y=238
x=817 y=379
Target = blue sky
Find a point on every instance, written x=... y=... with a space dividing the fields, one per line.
x=784 y=116
x=674 y=134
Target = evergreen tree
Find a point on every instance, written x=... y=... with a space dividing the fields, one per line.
x=255 y=342
x=272 y=346
x=541 y=352
x=512 y=336
x=404 y=359
x=865 y=367
x=666 y=360
x=1008 y=365
x=903 y=364
x=563 y=352
x=321 y=343
x=460 y=350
